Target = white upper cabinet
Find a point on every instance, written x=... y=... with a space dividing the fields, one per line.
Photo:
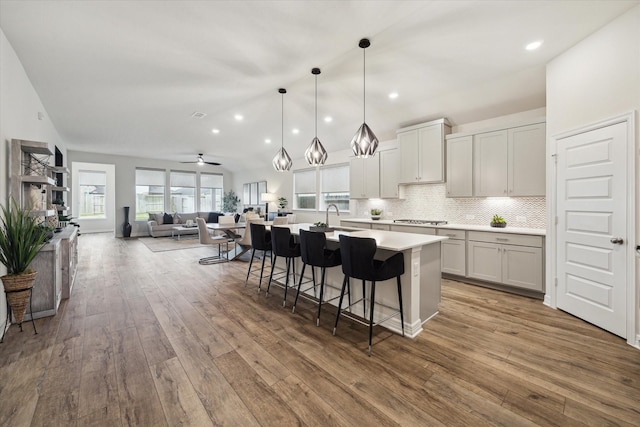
x=490 y=163
x=460 y=167
x=364 y=178
x=527 y=176
x=389 y=173
x=422 y=152
x=506 y=162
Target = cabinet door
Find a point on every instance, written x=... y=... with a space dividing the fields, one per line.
x=431 y=154
x=526 y=151
x=364 y=178
x=345 y=223
x=454 y=257
x=522 y=267
x=484 y=261
x=384 y=227
x=356 y=178
x=408 y=142
x=389 y=174
x=460 y=167
x=490 y=164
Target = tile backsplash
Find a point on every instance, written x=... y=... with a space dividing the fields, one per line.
x=429 y=202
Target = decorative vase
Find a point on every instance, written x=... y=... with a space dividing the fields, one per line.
x=376 y=217
x=18 y=290
x=126 y=227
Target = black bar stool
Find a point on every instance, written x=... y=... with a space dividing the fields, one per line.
x=283 y=244
x=260 y=241
x=314 y=252
x=358 y=262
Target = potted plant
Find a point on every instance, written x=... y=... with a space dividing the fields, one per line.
x=230 y=202
x=20 y=241
x=282 y=203
x=498 y=221
x=376 y=214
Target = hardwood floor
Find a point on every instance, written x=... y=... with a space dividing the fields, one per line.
x=156 y=339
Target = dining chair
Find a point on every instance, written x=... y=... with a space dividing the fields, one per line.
x=208 y=239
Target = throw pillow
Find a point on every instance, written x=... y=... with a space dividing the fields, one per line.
x=213 y=217
x=152 y=217
x=159 y=218
x=167 y=219
x=177 y=219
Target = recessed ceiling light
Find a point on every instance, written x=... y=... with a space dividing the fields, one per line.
x=534 y=45
x=393 y=95
x=267 y=141
x=328 y=119
x=295 y=131
x=215 y=130
x=238 y=117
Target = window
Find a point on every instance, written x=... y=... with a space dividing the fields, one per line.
x=183 y=192
x=92 y=192
x=304 y=189
x=150 y=185
x=211 y=192
x=334 y=187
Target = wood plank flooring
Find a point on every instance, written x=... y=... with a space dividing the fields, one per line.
x=155 y=339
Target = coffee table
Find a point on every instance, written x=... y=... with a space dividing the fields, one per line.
x=179 y=230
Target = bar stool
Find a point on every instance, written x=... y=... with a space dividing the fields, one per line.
x=261 y=241
x=358 y=262
x=314 y=252
x=283 y=244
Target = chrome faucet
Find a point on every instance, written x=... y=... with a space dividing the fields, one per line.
x=326 y=221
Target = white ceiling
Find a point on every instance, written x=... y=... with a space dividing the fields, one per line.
x=124 y=77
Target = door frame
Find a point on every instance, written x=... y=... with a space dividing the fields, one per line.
x=550 y=297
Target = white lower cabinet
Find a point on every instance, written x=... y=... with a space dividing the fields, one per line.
x=384 y=227
x=508 y=259
x=453 y=252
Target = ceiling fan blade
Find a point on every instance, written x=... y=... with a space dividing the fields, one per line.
x=213 y=163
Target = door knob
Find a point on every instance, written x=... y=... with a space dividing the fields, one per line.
x=617 y=240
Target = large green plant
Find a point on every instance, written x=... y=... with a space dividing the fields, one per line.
x=20 y=238
x=230 y=202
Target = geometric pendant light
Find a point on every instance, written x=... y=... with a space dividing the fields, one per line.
x=316 y=154
x=282 y=162
x=364 y=142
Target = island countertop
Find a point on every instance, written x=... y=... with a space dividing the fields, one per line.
x=390 y=240
x=466 y=227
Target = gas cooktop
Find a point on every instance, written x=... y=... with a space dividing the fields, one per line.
x=420 y=221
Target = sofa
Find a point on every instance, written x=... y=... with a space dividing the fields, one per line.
x=161 y=224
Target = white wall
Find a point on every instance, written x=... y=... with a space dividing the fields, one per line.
x=597 y=79
x=19 y=107
x=126 y=181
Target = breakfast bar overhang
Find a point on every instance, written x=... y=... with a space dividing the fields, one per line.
x=420 y=282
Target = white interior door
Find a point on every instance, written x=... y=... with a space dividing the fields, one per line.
x=592 y=235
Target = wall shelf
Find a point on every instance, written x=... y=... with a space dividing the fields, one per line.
x=37 y=179
x=65 y=189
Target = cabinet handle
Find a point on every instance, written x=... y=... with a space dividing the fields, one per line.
x=505 y=191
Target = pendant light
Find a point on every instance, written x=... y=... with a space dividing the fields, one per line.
x=282 y=162
x=316 y=154
x=364 y=142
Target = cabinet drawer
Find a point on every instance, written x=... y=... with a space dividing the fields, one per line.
x=413 y=229
x=355 y=224
x=452 y=234
x=384 y=227
x=506 y=238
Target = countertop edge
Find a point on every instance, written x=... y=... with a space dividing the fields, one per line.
x=466 y=227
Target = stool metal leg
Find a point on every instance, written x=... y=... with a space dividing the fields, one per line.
x=373 y=297
x=400 y=304
x=286 y=282
x=364 y=300
x=344 y=285
x=293 y=310
x=273 y=264
x=323 y=271
x=264 y=256
x=253 y=254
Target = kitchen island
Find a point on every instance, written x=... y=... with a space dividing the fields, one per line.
x=420 y=281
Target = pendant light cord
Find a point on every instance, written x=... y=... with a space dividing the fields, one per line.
x=316 y=106
x=364 y=85
x=282 y=122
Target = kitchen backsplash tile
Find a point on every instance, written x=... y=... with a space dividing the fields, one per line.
x=429 y=202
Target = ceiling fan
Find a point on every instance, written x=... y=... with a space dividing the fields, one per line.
x=200 y=161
